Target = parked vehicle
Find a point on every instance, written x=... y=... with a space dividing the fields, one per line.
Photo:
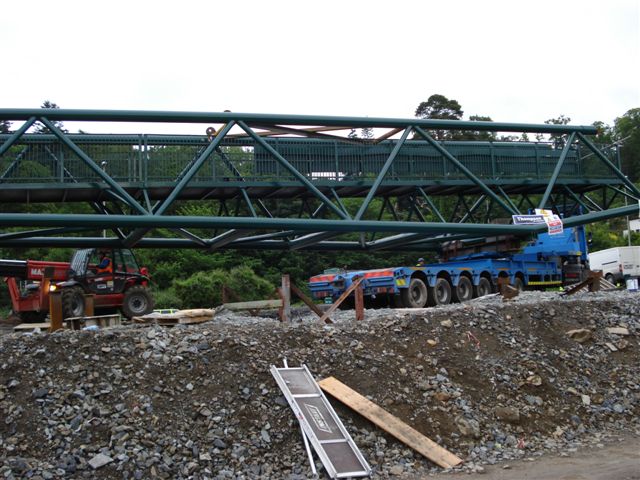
x=618 y=264
x=118 y=283
x=549 y=261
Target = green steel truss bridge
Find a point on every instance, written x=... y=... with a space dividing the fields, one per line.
x=257 y=181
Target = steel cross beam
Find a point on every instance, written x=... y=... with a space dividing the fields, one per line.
x=271 y=119
x=251 y=223
x=270 y=244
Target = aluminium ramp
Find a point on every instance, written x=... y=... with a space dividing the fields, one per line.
x=320 y=423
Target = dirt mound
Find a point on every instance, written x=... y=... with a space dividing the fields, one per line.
x=488 y=380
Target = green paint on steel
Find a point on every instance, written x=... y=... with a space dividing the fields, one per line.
x=381 y=175
x=432 y=206
x=94 y=166
x=609 y=164
x=464 y=170
x=188 y=175
x=305 y=181
x=249 y=223
x=269 y=119
x=16 y=135
x=556 y=171
x=507 y=199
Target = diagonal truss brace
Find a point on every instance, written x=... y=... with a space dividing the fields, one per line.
x=468 y=173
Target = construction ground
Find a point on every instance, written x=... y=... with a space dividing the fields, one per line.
x=501 y=384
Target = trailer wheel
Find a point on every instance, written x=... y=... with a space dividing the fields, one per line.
x=397 y=301
x=137 y=301
x=72 y=302
x=483 y=288
x=440 y=293
x=519 y=284
x=464 y=291
x=416 y=295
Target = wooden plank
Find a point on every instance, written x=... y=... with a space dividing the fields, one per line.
x=359 y=303
x=31 y=326
x=286 y=298
x=341 y=299
x=55 y=310
x=389 y=423
x=254 y=304
x=308 y=302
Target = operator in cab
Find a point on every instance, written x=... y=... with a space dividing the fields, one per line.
x=105 y=265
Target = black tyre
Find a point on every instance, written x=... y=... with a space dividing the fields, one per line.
x=464 y=291
x=440 y=293
x=137 y=301
x=397 y=301
x=483 y=288
x=609 y=278
x=348 y=303
x=72 y=302
x=519 y=284
x=32 y=317
x=416 y=295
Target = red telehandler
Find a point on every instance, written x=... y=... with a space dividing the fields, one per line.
x=123 y=284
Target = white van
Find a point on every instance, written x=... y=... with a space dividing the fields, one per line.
x=617 y=264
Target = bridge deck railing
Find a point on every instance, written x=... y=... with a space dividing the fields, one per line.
x=147 y=159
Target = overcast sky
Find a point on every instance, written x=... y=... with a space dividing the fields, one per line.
x=510 y=60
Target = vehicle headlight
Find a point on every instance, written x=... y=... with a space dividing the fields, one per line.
x=53 y=288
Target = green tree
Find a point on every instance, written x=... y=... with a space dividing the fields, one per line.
x=440 y=107
x=476 y=134
x=58 y=124
x=627 y=134
x=605 y=135
x=557 y=140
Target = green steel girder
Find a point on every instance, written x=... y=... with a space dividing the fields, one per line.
x=628 y=183
x=288 y=166
x=556 y=171
x=464 y=170
x=251 y=223
x=494 y=189
x=334 y=225
x=121 y=192
x=17 y=134
x=381 y=175
x=268 y=119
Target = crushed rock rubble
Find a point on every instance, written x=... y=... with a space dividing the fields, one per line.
x=491 y=381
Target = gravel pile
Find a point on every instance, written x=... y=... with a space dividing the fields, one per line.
x=490 y=381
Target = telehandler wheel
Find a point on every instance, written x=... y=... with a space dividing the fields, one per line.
x=464 y=291
x=416 y=295
x=32 y=317
x=72 y=302
x=137 y=301
x=440 y=293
